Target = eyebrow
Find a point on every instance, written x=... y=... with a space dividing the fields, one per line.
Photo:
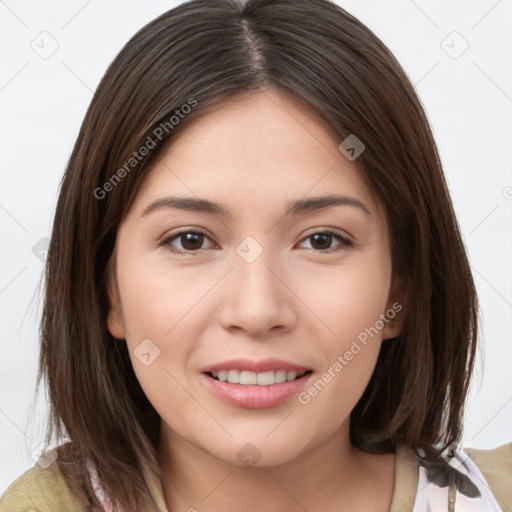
x=297 y=207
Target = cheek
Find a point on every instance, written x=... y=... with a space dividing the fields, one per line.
x=346 y=299
x=349 y=306
x=158 y=298
x=166 y=306
x=160 y=308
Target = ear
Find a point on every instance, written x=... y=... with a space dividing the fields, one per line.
x=115 y=322
x=395 y=309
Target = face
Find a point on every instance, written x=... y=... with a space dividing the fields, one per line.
x=253 y=289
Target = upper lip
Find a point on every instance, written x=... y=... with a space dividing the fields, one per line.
x=263 y=365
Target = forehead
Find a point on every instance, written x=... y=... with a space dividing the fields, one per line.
x=265 y=148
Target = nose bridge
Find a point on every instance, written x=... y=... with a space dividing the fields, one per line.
x=257 y=298
x=254 y=279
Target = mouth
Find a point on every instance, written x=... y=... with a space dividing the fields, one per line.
x=255 y=385
x=246 y=378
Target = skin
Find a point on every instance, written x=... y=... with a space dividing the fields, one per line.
x=293 y=302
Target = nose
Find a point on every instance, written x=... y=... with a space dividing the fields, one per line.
x=257 y=297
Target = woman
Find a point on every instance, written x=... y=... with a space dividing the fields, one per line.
x=263 y=368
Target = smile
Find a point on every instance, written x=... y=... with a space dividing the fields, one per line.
x=263 y=390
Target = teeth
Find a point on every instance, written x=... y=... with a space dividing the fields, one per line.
x=291 y=375
x=280 y=376
x=248 y=377
x=234 y=376
x=262 y=379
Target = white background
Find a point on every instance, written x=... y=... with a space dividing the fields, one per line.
x=42 y=102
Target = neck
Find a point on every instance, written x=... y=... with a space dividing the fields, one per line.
x=331 y=476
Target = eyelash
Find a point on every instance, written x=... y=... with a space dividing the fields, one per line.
x=346 y=243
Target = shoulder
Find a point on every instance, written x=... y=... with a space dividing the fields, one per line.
x=496 y=467
x=478 y=477
x=41 y=488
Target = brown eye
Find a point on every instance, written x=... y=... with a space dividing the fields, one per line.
x=190 y=241
x=321 y=241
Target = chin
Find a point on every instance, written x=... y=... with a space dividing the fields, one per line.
x=258 y=451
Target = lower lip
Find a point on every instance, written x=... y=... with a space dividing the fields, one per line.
x=252 y=396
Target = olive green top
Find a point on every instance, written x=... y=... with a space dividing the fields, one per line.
x=47 y=490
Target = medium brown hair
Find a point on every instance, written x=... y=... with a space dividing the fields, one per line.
x=208 y=51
